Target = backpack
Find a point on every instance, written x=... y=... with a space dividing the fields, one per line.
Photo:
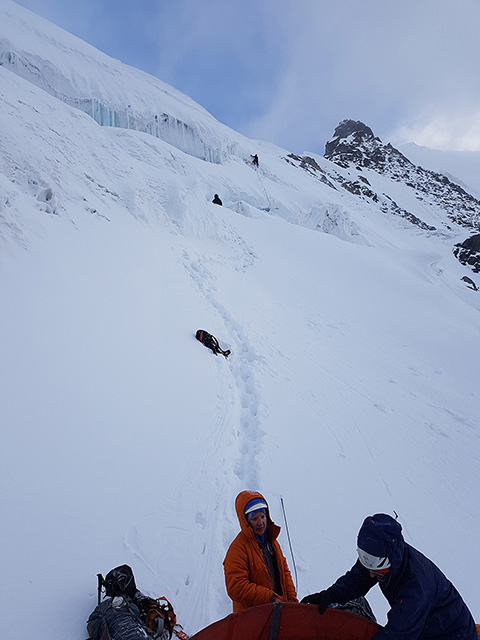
x=127 y=614
x=117 y=618
x=160 y=609
x=119 y=581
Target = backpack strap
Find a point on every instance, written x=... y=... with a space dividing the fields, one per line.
x=161 y=608
x=275 y=622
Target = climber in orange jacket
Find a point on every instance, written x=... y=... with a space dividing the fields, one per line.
x=256 y=571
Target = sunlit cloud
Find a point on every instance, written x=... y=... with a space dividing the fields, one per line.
x=457 y=130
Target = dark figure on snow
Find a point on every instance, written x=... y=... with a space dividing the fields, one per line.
x=424 y=603
x=216 y=200
x=211 y=342
x=255 y=160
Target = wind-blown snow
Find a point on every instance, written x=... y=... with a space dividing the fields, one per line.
x=352 y=387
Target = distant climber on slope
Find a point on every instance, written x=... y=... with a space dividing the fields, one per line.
x=424 y=604
x=216 y=200
x=211 y=342
x=255 y=159
x=256 y=571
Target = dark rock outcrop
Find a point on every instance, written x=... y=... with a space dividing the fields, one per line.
x=468 y=252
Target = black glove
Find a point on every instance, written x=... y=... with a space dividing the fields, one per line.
x=322 y=599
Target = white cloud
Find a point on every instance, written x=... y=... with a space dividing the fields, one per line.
x=382 y=62
x=457 y=130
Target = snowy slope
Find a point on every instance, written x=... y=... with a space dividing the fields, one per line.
x=352 y=387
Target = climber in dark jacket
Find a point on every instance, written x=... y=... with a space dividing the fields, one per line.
x=216 y=200
x=424 y=603
x=211 y=342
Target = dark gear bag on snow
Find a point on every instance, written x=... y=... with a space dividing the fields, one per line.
x=211 y=342
x=128 y=614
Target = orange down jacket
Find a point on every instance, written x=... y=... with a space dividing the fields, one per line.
x=246 y=575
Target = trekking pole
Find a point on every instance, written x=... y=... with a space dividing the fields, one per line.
x=290 y=545
x=100 y=584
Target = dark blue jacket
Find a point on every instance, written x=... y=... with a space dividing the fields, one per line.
x=424 y=604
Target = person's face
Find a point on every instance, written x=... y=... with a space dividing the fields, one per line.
x=379 y=575
x=258 y=522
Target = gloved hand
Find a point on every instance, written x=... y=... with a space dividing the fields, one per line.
x=322 y=599
x=277 y=598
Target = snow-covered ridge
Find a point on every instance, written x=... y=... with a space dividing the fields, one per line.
x=112 y=93
x=186 y=137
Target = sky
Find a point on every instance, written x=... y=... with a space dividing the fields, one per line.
x=289 y=72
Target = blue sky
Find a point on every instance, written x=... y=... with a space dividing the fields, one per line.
x=289 y=71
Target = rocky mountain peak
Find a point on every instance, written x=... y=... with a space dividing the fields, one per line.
x=358 y=130
x=354 y=143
